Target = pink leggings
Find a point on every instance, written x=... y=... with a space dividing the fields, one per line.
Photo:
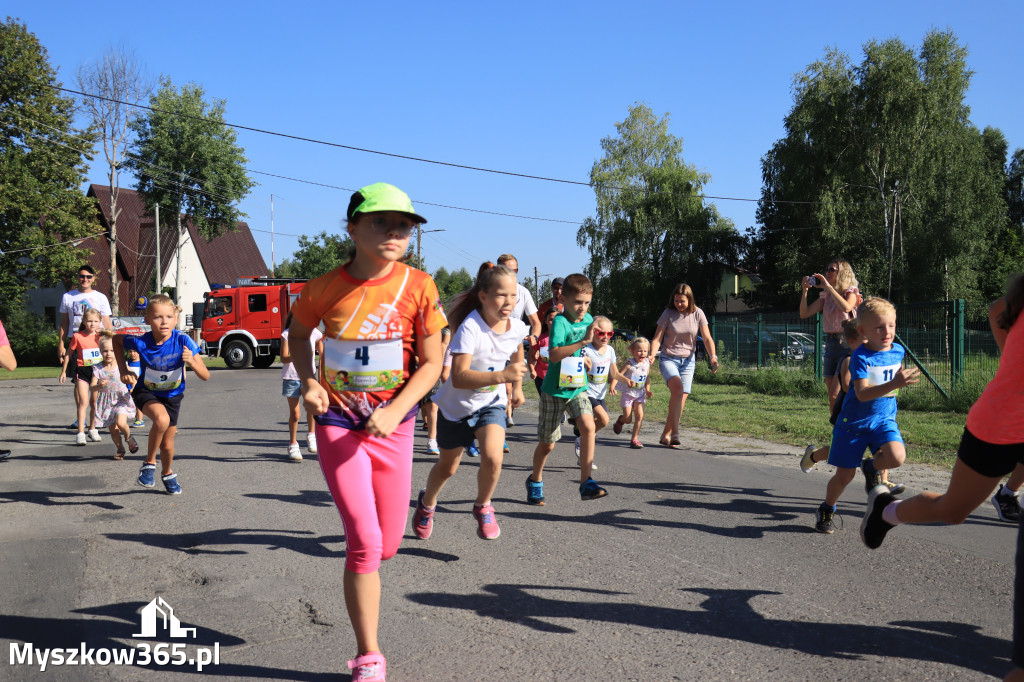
x=370 y=479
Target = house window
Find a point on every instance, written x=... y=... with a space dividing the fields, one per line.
x=257 y=303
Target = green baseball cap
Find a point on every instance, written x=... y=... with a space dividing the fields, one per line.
x=380 y=196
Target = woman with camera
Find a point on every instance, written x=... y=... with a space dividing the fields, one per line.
x=838 y=301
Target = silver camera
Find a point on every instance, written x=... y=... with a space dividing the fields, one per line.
x=812 y=281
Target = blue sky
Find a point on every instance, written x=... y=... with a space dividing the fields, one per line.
x=530 y=88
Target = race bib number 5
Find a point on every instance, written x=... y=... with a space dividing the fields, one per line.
x=363 y=365
x=572 y=373
x=881 y=375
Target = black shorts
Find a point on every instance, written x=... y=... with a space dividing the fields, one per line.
x=142 y=395
x=988 y=459
x=597 y=402
x=83 y=373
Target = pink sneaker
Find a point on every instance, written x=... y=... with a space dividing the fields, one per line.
x=484 y=515
x=370 y=667
x=422 y=519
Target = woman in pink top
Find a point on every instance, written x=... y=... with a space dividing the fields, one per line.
x=838 y=301
x=991 y=447
x=676 y=336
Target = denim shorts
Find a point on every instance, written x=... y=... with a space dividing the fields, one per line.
x=460 y=434
x=835 y=351
x=674 y=366
x=291 y=388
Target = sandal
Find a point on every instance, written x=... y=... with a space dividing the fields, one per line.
x=635 y=444
x=675 y=442
x=618 y=426
x=133 y=446
x=119 y=454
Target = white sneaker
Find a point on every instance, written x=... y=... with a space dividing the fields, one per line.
x=577 y=447
x=80 y=439
x=294 y=454
x=311 y=443
x=94 y=436
x=509 y=422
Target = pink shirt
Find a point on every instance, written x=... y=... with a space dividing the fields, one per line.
x=833 y=315
x=998 y=416
x=3 y=336
x=681 y=331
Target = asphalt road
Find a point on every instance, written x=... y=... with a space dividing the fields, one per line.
x=701 y=563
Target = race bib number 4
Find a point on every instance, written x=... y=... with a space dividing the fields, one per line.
x=363 y=365
x=880 y=375
x=163 y=380
x=91 y=356
x=572 y=373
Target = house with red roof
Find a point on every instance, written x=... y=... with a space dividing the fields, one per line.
x=223 y=260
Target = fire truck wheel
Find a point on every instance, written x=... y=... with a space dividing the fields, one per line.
x=238 y=355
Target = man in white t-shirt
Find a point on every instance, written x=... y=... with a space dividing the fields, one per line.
x=524 y=304
x=72 y=307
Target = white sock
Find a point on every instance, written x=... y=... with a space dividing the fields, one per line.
x=889 y=513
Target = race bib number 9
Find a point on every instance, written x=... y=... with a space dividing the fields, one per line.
x=158 y=380
x=880 y=375
x=572 y=373
x=363 y=365
x=91 y=356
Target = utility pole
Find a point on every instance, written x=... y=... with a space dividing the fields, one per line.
x=159 y=286
x=273 y=265
x=419 y=239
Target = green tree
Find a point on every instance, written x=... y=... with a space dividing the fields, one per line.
x=188 y=161
x=43 y=164
x=451 y=283
x=652 y=229
x=879 y=165
x=317 y=255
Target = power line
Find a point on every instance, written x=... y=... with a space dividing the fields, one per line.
x=449 y=164
x=50 y=246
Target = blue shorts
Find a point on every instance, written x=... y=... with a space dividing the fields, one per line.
x=291 y=388
x=673 y=366
x=460 y=434
x=849 y=444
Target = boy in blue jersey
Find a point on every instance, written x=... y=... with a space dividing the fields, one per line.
x=160 y=385
x=867 y=419
x=565 y=390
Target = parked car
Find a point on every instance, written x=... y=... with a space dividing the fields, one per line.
x=623 y=335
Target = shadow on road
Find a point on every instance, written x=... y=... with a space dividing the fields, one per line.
x=205 y=542
x=728 y=614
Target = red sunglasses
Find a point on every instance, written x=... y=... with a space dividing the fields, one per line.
x=605 y=335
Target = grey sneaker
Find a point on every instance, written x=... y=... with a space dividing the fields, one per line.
x=807 y=462
x=1007 y=506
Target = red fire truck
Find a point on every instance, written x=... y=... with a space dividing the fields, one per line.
x=242 y=323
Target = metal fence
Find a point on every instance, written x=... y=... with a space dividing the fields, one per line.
x=948 y=348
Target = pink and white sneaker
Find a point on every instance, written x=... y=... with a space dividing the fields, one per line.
x=370 y=667
x=484 y=515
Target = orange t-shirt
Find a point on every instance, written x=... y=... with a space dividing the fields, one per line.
x=88 y=346
x=370 y=329
x=998 y=416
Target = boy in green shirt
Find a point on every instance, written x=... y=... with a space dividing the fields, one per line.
x=565 y=390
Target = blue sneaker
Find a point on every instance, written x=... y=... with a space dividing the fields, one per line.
x=473 y=450
x=534 y=491
x=146 y=475
x=590 y=490
x=505 y=448
x=171 y=483
x=138 y=423
x=432 y=448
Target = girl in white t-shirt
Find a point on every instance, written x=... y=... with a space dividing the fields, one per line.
x=471 y=404
x=602 y=374
x=291 y=388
